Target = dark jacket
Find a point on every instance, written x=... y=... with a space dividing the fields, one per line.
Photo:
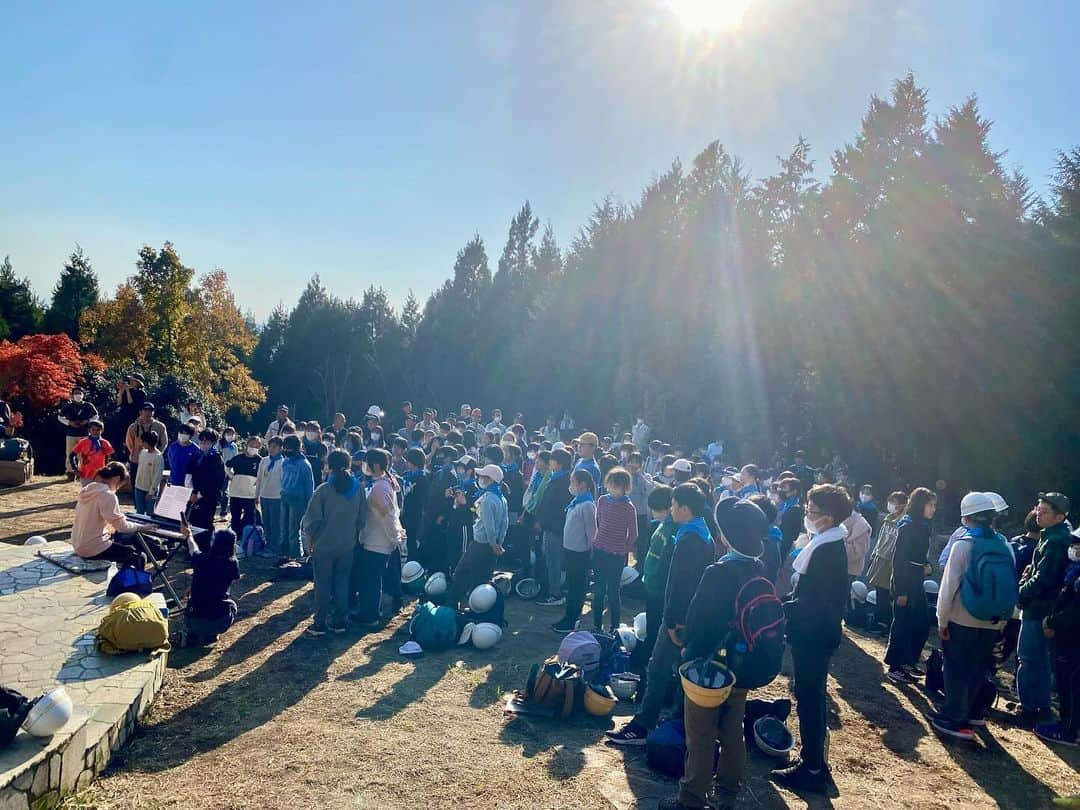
x=552 y=511
x=791 y=525
x=912 y=546
x=816 y=607
x=207 y=473
x=712 y=608
x=1064 y=616
x=78 y=412
x=1043 y=583
x=516 y=484
x=692 y=555
x=412 y=508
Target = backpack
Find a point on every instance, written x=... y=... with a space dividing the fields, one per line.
x=988 y=590
x=130 y=580
x=556 y=686
x=434 y=627
x=252 y=540
x=755 y=645
x=665 y=748
x=580 y=649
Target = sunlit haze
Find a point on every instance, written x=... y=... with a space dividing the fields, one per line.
x=709 y=15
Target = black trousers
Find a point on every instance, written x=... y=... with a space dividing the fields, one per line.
x=576 y=566
x=811 y=671
x=908 y=634
x=967 y=655
x=123 y=550
x=883 y=608
x=1068 y=686
x=644 y=536
x=243 y=514
x=607 y=573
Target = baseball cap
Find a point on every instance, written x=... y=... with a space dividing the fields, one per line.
x=587 y=438
x=146 y=406
x=283 y=408
x=1057 y=500
x=492 y=471
x=682 y=465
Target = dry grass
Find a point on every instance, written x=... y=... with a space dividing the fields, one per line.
x=270 y=718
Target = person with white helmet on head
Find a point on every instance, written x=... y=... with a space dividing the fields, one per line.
x=489 y=532
x=967 y=640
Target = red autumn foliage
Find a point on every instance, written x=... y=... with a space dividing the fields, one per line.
x=42 y=368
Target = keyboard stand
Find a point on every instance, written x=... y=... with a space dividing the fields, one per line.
x=159 y=567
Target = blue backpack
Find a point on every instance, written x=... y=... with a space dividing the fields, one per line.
x=130 y=579
x=988 y=590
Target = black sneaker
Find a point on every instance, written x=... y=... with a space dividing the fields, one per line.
x=317 y=629
x=631 y=734
x=335 y=628
x=897 y=675
x=801 y=779
x=915 y=671
x=564 y=628
x=958 y=731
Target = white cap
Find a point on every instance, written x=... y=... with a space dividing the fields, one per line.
x=410 y=648
x=975 y=502
x=682 y=465
x=558 y=446
x=375 y=411
x=492 y=471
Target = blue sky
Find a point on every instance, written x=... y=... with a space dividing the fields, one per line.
x=367 y=142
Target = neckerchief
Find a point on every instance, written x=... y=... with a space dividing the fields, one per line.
x=782 y=508
x=584 y=497
x=510 y=468
x=555 y=476
x=620 y=499
x=273 y=460
x=696 y=526
x=95 y=443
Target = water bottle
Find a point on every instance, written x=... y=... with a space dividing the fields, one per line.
x=621 y=661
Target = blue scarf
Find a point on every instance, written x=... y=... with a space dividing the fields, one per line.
x=696 y=526
x=534 y=484
x=412 y=476
x=1072 y=574
x=748 y=490
x=734 y=555
x=584 y=497
x=509 y=468
x=980 y=533
x=555 y=476
x=781 y=510
x=493 y=489
x=354 y=486
x=273 y=460
x=906 y=519
x=95 y=443
x=620 y=499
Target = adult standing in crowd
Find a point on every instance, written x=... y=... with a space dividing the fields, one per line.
x=640 y=433
x=130 y=397
x=281 y=425
x=143 y=424
x=75 y=416
x=910 y=624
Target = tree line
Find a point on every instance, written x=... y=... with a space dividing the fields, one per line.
x=908 y=307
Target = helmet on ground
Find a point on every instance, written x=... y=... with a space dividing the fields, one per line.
x=466 y=633
x=599 y=700
x=629 y=574
x=625 y=685
x=641 y=626
x=976 y=502
x=627 y=637
x=124 y=599
x=436 y=584
x=411 y=571
x=859 y=591
x=773 y=737
x=483 y=598
x=49 y=714
x=502 y=583
x=871 y=597
x=35 y=540
x=527 y=588
x=486 y=635
x=929 y=586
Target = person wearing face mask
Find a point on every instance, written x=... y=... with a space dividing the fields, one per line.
x=228 y=448
x=207 y=474
x=551 y=519
x=459 y=525
x=268 y=494
x=910 y=624
x=243 y=472
x=135 y=431
x=314 y=450
x=579 y=533
x=815 y=609
x=789 y=513
x=297 y=485
x=100 y=530
x=179 y=455
x=1062 y=626
x=879 y=570
x=75 y=416
x=383 y=535
x=867 y=507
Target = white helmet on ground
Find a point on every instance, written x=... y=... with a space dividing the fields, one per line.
x=486 y=635
x=871 y=597
x=436 y=584
x=859 y=591
x=929 y=586
x=641 y=626
x=411 y=571
x=49 y=714
x=466 y=633
x=627 y=637
x=35 y=540
x=527 y=588
x=629 y=574
x=483 y=598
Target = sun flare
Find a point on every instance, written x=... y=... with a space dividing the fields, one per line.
x=709 y=15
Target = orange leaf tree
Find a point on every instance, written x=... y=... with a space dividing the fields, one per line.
x=42 y=368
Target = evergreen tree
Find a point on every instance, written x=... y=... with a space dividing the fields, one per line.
x=20 y=312
x=75 y=293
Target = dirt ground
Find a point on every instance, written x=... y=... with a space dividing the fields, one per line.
x=270 y=718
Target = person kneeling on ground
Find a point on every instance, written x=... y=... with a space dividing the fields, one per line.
x=100 y=530
x=210 y=610
x=708 y=619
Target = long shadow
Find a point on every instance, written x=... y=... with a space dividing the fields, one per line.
x=567 y=743
x=36 y=510
x=859 y=676
x=236 y=707
x=426 y=671
x=993 y=768
x=39 y=485
x=62 y=532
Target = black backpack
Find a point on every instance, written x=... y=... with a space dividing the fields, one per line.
x=755 y=645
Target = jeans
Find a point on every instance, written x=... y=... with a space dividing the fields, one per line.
x=1035 y=653
x=702 y=735
x=607 y=570
x=270 y=509
x=144 y=504
x=665 y=656
x=367 y=578
x=577 y=581
x=968 y=654
x=292 y=512
x=332 y=571
x=553 y=562
x=811 y=671
x=908 y=634
x=391 y=584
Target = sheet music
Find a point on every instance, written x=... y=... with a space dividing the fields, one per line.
x=173 y=502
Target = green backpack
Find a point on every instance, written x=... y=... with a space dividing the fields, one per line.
x=434 y=627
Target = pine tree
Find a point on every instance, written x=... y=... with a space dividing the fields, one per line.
x=20 y=311
x=75 y=293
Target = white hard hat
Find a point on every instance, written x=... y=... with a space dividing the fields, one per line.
x=773 y=737
x=629 y=574
x=35 y=540
x=436 y=584
x=871 y=598
x=503 y=583
x=483 y=597
x=641 y=626
x=975 y=502
x=49 y=714
x=527 y=588
x=375 y=411
x=558 y=446
x=627 y=637
x=466 y=633
x=859 y=590
x=1000 y=504
x=486 y=635
x=929 y=586
x=411 y=571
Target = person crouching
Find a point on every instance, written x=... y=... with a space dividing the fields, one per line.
x=210 y=610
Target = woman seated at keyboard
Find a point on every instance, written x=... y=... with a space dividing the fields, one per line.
x=210 y=610
x=100 y=531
